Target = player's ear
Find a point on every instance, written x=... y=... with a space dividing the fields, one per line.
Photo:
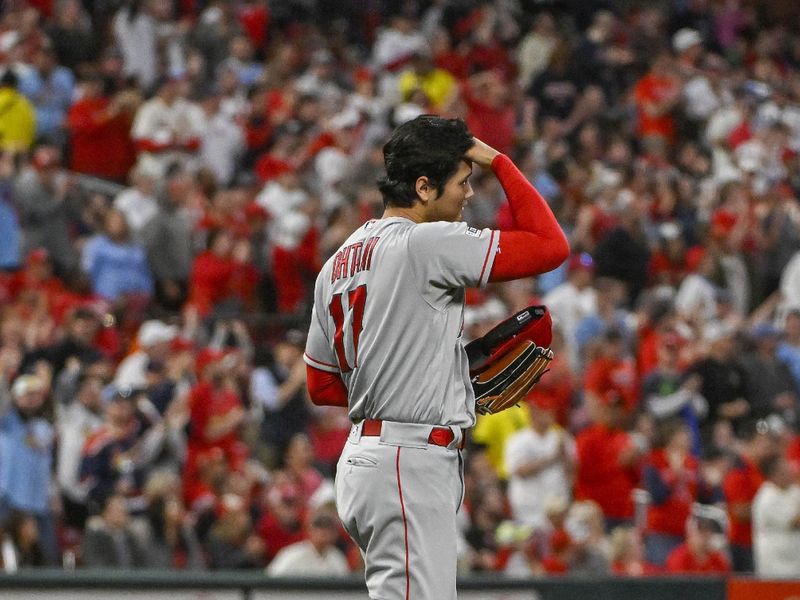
x=425 y=191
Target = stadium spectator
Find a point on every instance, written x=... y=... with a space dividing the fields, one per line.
x=27 y=439
x=76 y=422
x=776 y=521
x=667 y=392
x=788 y=351
x=540 y=461
x=770 y=387
x=153 y=338
x=697 y=554
x=740 y=485
x=115 y=263
x=110 y=540
x=99 y=130
x=42 y=196
x=316 y=556
x=49 y=87
x=608 y=460
x=18 y=121
x=282 y=522
x=671 y=476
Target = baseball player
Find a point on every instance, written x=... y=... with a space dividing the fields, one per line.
x=385 y=341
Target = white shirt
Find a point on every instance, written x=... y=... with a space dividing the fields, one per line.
x=568 y=306
x=529 y=495
x=137 y=42
x=132 y=371
x=137 y=207
x=75 y=424
x=696 y=297
x=790 y=283
x=776 y=544
x=222 y=144
x=302 y=559
x=165 y=123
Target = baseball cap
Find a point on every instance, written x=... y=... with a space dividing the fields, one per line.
x=25 y=384
x=581 y=262
x=156 y=332
x=685 y=38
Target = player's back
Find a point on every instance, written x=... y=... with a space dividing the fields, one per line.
x=388 y=316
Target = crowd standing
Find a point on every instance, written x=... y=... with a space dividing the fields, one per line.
x=174 y=174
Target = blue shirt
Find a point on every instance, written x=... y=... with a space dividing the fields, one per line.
x=10 y=235
x=790 y=356
x=26 y=461
x=116 y=269
x=51 y=97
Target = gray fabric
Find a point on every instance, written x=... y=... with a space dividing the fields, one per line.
x=370 y=477
x=410 y=365
x=167 y=239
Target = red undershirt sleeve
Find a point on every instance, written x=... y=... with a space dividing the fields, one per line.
x=325 y=388
x=538 y=245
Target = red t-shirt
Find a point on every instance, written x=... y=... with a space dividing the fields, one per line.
x=605 y=375
x=98 y=145
x=600 y=477
x=681 y=560
x=652 y=88
x=670 y=516
x=209 y=281
x=207 y=402
x=276 y=535
x=740 y=485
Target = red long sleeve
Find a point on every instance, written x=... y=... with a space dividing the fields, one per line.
x=325 y=388
x=538 y=245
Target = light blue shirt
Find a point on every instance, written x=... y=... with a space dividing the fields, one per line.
x=116 y=269
x=790 y=356
x=26 y=461
x=51 y=97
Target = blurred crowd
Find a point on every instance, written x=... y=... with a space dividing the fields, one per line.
x=174 y=173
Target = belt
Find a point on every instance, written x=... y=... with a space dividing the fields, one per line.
x=439 y=436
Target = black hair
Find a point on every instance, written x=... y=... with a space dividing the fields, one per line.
x=427 y=146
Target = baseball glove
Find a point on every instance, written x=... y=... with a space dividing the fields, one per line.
x=509 y=360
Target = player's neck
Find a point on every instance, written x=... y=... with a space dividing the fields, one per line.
x=413 y=213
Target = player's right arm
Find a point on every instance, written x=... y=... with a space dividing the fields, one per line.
x=323 y=377
x=538 y=244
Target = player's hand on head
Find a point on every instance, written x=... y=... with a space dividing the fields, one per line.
x=481 y=153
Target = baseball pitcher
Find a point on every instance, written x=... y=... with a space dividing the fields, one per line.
x=385 y=341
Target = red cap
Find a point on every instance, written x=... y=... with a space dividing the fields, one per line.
x=268 y=167
x=541 y=400
x=255 y=211
x=206 y=357
x=581 y=262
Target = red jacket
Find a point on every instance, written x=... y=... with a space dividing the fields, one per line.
x=600 y=477
x=673 y=493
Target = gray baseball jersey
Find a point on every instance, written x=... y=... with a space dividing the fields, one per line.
x=388 y=315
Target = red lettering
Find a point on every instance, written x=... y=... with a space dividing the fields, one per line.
x=354 y=262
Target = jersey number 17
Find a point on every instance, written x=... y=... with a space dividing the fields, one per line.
x=356 y=299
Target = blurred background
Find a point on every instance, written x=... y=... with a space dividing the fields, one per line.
x=173 y=174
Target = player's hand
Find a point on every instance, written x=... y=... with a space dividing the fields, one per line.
x=481 y=154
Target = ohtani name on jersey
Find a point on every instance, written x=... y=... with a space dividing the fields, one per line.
x=353 y=259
